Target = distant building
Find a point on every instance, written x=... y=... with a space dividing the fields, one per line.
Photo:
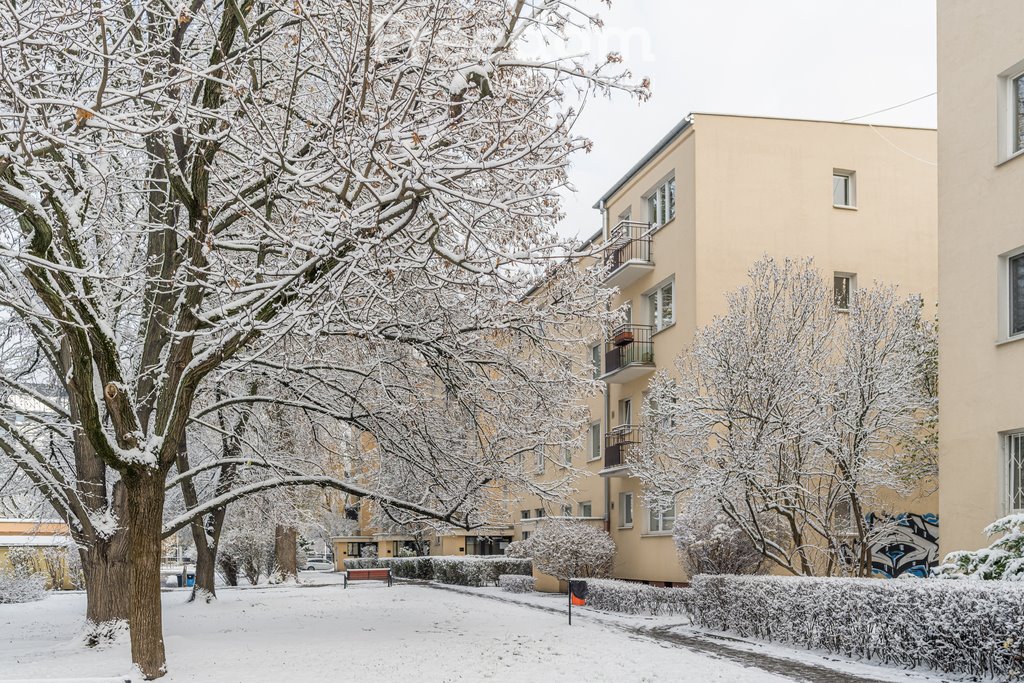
x=682 y=228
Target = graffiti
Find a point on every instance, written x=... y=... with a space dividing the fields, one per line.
x=910 y=545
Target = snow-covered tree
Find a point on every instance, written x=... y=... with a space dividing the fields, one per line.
x=570 y=548
x=202 y=189
x=792 y=416
x=709 y=542
x=1003 y=560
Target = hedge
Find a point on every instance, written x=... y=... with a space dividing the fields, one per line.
x=635 y=598
x=516 y=583
x=460 y=571
x=957 y=627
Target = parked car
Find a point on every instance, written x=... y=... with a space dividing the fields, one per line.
x=318 y=563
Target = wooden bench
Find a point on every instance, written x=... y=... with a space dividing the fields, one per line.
x=382 y=574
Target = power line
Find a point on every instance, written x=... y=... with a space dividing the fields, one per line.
x=895 y=106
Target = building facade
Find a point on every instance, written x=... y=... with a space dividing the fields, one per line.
x=981 y=266
x=682 y=228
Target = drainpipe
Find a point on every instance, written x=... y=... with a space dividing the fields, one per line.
x=607 y=412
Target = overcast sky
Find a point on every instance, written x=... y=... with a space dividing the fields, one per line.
x=821 y=59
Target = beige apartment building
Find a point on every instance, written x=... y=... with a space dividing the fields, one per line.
x=681 y=229
x=981 y=266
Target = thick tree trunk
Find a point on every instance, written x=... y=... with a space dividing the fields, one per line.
x=204 y=589
x=285 y=548
x=105 y=565
x=145 y=490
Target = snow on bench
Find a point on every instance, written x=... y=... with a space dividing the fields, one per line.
x=378 y=574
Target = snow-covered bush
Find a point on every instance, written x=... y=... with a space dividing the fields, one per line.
x=635 y=598
x=571 y=548
x=18 y=584
x=1002 y=560
x=368 y=551
x=516 y=583
x=964 y=627
x=456 y=570
x=518 y=549
x=713 y=544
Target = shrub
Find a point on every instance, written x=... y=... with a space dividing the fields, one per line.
x=455 y=570
x=18 y=584
x=571 y=548
x=1002 y=560
x=966 y=627
x=635 y=598
x=516 y=583
x=710 y=543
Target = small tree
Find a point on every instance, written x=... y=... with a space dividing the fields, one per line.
x=570 y=548
x=709 y=542
x=1002 y=560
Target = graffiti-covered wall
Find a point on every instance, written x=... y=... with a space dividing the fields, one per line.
x=910 y=546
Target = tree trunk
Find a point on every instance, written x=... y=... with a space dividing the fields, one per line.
x=285 y=547
x=204 y=589
x=105 y=565
x=145 y=489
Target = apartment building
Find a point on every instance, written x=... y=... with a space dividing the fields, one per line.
x=681 y=229
x=981 y=266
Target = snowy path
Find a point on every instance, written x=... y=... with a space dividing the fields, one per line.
x=371 y=633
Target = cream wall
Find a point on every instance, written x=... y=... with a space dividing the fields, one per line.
x=746 y=187
x=981 y=209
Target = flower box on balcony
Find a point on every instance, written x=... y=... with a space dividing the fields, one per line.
x=623 y=337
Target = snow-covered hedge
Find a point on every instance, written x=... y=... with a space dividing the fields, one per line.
x=19 y=585
x=461 y=571
x=516 y=583
x=968 y=627
x=635 y=598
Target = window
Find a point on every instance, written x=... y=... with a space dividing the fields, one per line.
x=625 y=411
x=567 y=510
x=585 y=509
x=595 y=359
x=539 y=512
x=526 y=535
x=842 y=288
x=661 y=204
x=1015 y=471
x=525 y=514
x=1016 y=278
x=843 y=188
x=538 y=454
x=661 y=520
x=595 y=441
x=626 y=510
x=661 y=306
x=1011 y=112
x=1017 y=100
x=566 y=454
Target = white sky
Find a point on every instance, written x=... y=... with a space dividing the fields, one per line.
x=819 y=59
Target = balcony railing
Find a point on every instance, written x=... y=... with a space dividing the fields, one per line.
x=628 y=242
x=620 y=445
x=629 y=345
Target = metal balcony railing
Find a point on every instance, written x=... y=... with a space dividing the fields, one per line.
x=620 y=444
x=629 y=345
x=629 y=241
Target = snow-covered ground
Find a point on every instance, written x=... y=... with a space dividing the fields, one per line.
x=368 y=632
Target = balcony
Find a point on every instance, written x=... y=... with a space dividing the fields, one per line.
x=628 y=354
x=620 y=446
x=627 y=254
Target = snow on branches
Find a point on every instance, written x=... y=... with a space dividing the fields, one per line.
x=570 y=548
x=1002 y=560
x=344 y=204
x=790 y=415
